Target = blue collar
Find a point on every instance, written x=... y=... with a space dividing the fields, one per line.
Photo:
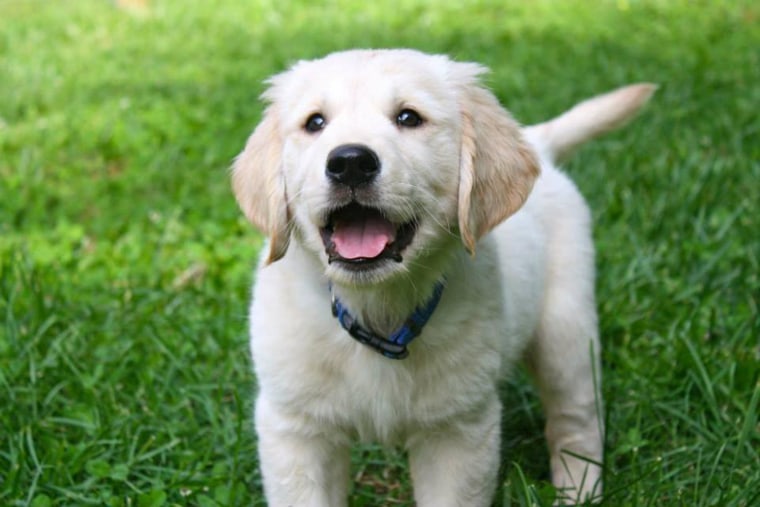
x=393 y=347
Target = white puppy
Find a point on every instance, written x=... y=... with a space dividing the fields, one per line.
x=420 y=243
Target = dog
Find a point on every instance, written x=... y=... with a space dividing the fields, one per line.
x=420 y=243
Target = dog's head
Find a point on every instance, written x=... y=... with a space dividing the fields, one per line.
x=376 y=159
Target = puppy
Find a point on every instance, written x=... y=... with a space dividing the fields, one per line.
x=420 y=243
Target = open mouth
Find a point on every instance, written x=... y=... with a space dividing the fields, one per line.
x=360 y=237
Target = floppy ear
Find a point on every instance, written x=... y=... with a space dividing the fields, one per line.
x=259 y=185
x=497 y=167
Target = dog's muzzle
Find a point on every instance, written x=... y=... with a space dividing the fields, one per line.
x=360 y=235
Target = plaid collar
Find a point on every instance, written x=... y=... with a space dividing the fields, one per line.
x=393 y=347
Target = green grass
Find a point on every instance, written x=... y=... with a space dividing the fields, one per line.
x=125 y=264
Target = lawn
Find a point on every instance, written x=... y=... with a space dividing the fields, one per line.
x=125 y=264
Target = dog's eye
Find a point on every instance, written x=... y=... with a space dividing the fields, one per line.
x=315 y=123
x=408 y=118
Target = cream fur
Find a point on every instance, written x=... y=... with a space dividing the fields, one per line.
x=524 y=289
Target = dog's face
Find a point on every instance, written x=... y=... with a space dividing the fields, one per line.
x=376 y=159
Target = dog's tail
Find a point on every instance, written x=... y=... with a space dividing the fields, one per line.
x=560 y=136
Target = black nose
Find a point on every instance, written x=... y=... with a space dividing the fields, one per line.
x=352 y=165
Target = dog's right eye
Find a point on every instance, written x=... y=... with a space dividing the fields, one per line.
x=315 y=123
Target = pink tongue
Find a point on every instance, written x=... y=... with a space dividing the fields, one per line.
x=362 y=238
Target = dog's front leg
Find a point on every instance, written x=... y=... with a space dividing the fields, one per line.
x=457 y=464
x=300 y=467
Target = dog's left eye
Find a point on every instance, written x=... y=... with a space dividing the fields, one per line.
x=408 y=118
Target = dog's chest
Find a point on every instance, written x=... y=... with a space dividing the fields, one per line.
x=379 y=399
x=308 y=364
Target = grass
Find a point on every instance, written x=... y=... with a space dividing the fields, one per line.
x=125 y=264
